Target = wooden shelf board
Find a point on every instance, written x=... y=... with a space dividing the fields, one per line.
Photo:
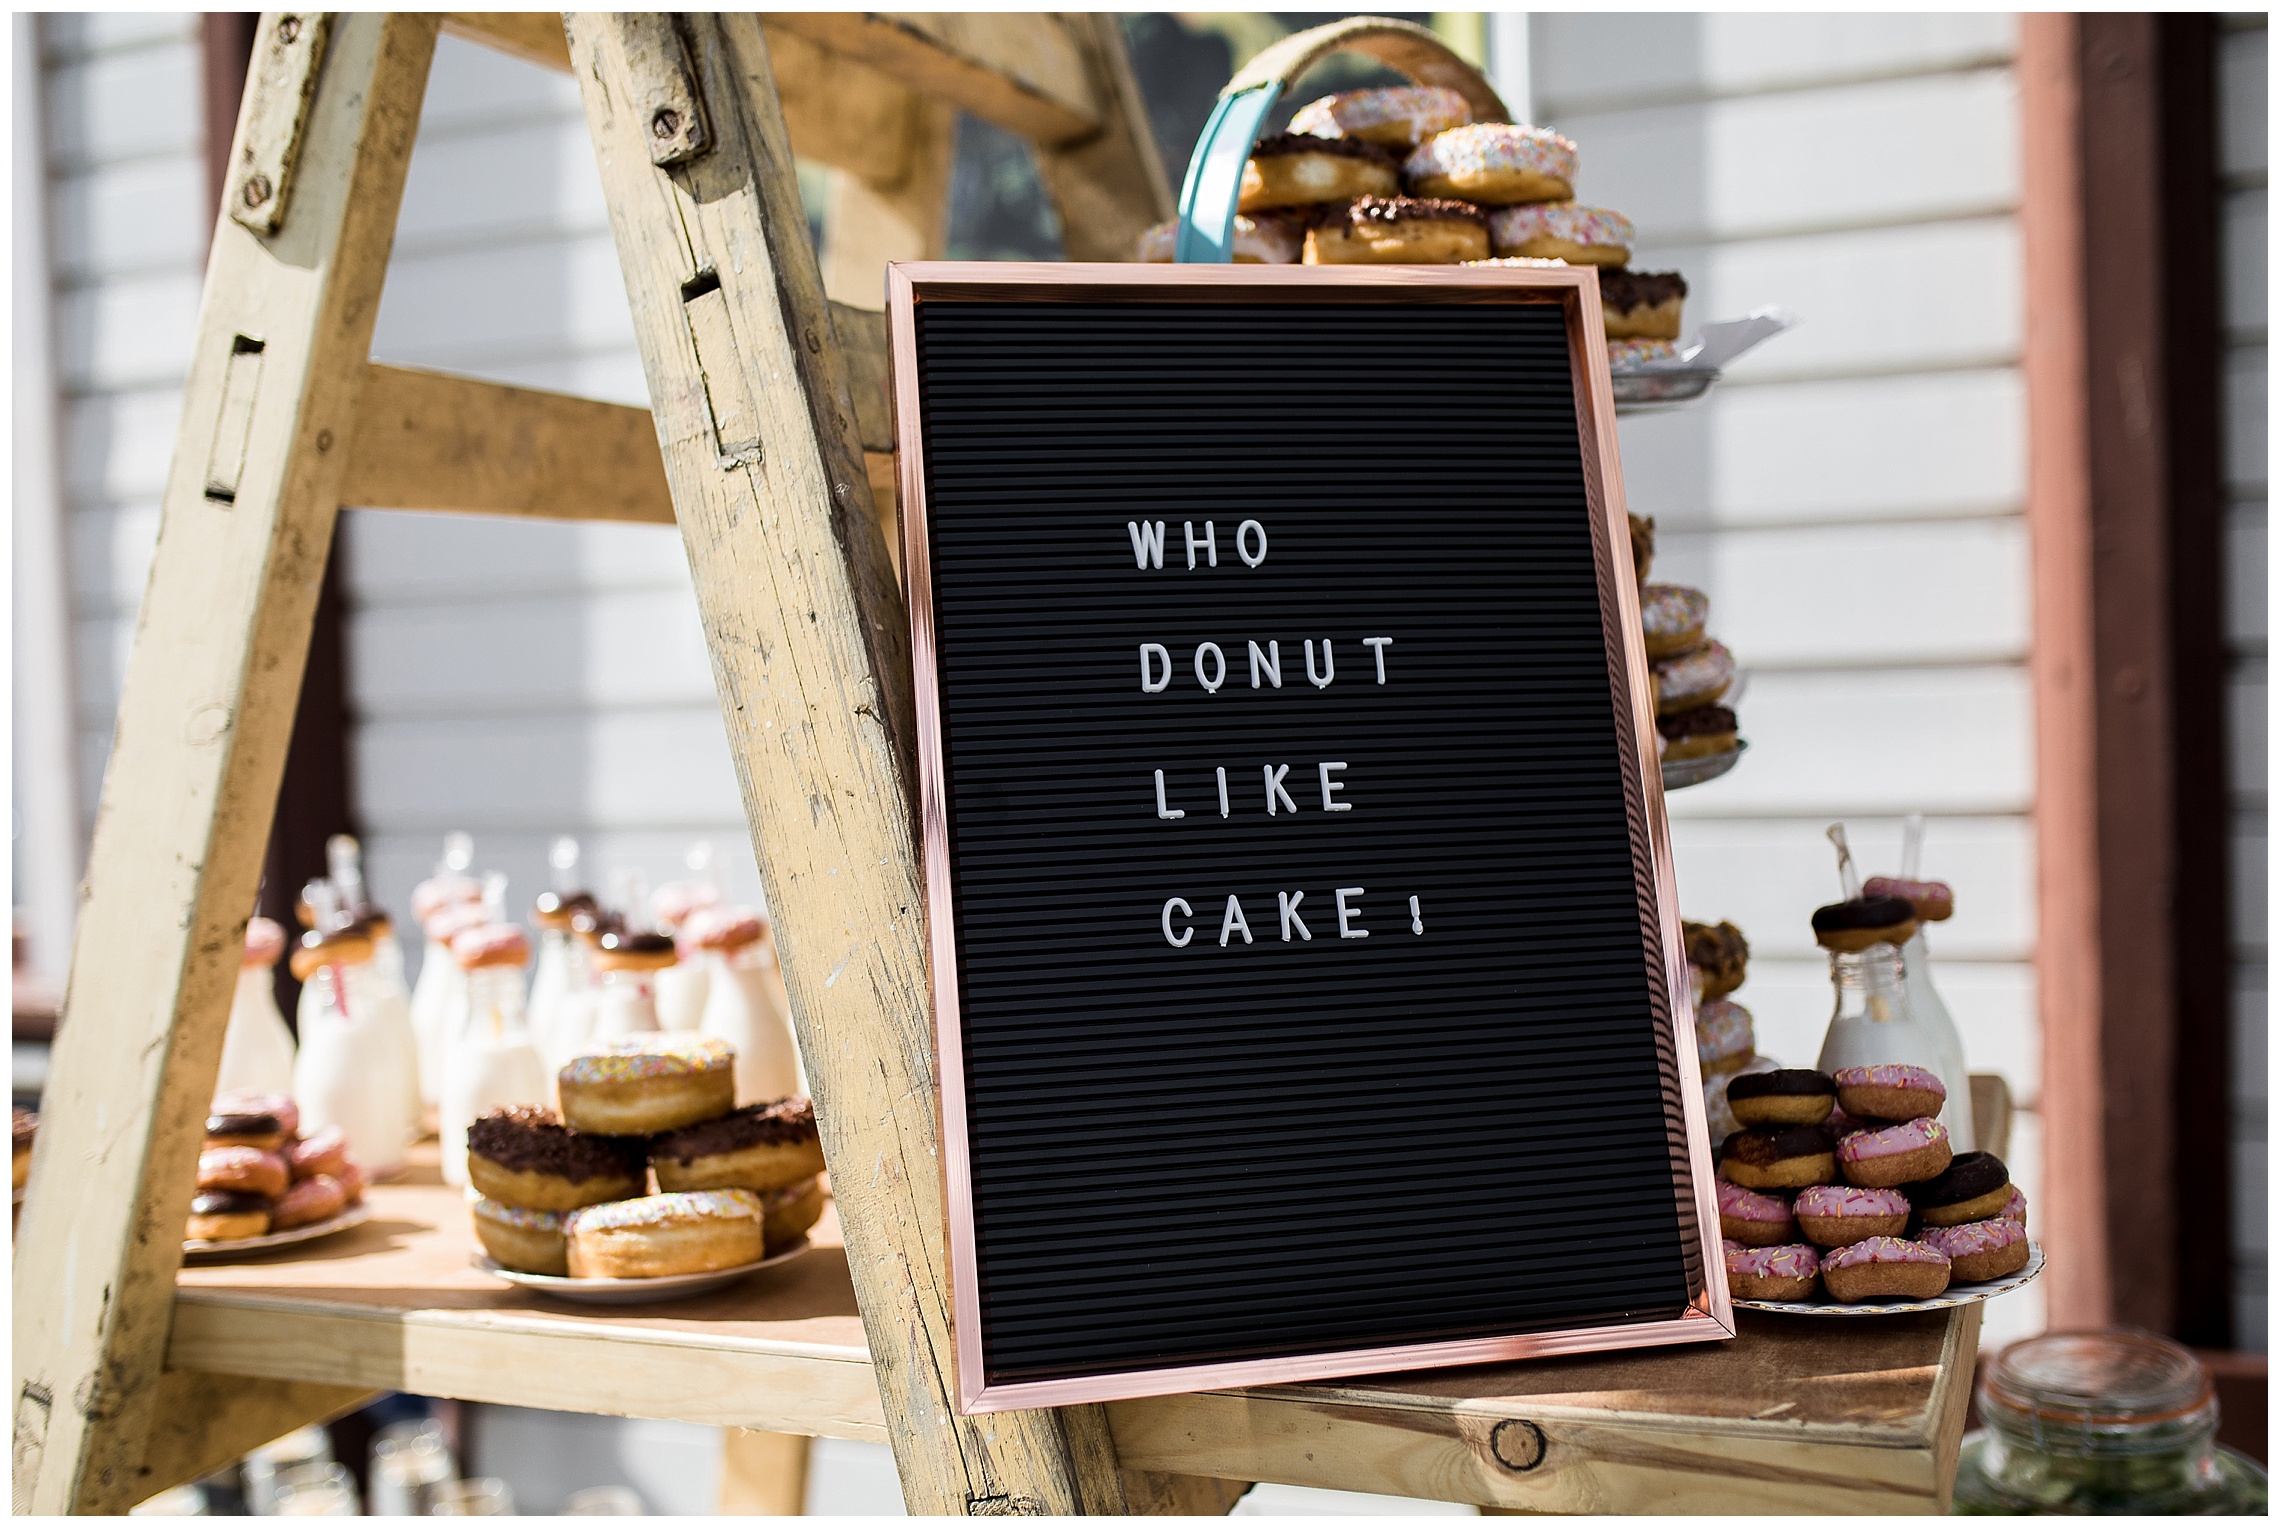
x=1864 y=1415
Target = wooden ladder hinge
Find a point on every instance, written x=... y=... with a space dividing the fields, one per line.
x=288 y=55
x=665 y=96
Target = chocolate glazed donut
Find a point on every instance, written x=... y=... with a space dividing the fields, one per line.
x=1771 y=1158
x=1791 y=1096
x=1975 y=1186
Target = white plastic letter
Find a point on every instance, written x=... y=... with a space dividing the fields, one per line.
x=1187 y=527
x=1210 y=542
x=1234 y=922
x=1346 y=915
x=1168 y=813
x=1218 y=676
x=1329 y=668
x=1289 y=901
x=1274 y=774
x=1270 y=660
x=1328 y=785
x=1222 y=773
x=1147 y=542
x=1416 y=918
x=1149 y=684
x=1381 y=644
x=1177 y=941
x=1243 y=543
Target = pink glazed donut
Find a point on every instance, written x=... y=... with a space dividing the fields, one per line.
x=1790 y=1272
x=1753 y=1219
x=1890 y=1092
x=1884 y=1266
x=1897 y=1154
x=1835 y=1216
x=1982 y=1250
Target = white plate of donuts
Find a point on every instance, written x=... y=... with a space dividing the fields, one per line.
x=672 y=1286
x=1955 y=1295
x=354 y=1215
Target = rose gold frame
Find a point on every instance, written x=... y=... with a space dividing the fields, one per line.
x=1708 y=1315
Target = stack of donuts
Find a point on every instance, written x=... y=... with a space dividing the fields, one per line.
x=1404 y=176
x=1846 y=1183
x=1692 y=672
x=258 y=1174
x=1725 y=1036
x=572 y=1194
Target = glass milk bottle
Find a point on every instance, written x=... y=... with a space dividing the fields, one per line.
x=442 y=905
x=257 y=1050
x=1872 y=1025
x=1934 y=903
x=350 y=1070
x=345 y=857
x=493 y=1062
x=747 y=1006
x=626 y=964
x=683 y=987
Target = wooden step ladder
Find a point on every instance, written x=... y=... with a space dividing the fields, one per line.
x=768 y=444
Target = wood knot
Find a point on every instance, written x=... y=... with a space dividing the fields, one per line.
x=1517 y=1445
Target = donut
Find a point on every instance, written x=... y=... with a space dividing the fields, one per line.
x=1797 y=1156
x=1396 y=117
x=1933 y=900
x=1788 y=1272
x=1831 y=1216
x=1297 y=170
x=491 y=944
x=527 y=1158
x=1975 y=1186
x=790 y=1212
x=1261 y=239
x=1905 y=1153
x=1642 y=547
x=671 y=903
x=725 y=928
x=648 y=1084
x=1641 y=305
x=1851 y=927
x=624 y=949
x=1398 y=230
x=326 y=1152
x=665 y=1234
x=24 y=1126
x=1629 y=355
x=449 y=922
x=1981 y=1249
x=1564 y=231
x=1791 y=1096
x=1701 y=732
x=261 y=1132
x=2015 y=1206
x=1714 y=1084
x=1719 y=955
x=760 y=1147
x=307 y=1202
x=1672 y=617
x=349 y=945
x=528 y=1241
x=1890 y=1092
x=227 y=1215
x=559 y=909
x=1883 y=1266
x=1751 y=1218
x=351 y=1181
x=1724 y=1036
x=438 y=892
x=243 y=1170
x=1497 y=163
x=1697 y=678
x=264 y=942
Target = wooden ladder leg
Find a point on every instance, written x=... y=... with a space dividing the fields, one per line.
x=1109 y=188
x=810 y=655
x=204 y=716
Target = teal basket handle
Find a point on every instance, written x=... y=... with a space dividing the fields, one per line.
x=1215 y=171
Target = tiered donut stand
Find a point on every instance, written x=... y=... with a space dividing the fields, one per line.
x=134 y=1373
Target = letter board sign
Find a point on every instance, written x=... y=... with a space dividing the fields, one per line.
x=1309 y=993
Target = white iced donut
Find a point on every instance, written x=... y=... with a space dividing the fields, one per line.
x=1694 y=678
x=1399 y=117
x=649 y=1084
x=665 y=1234
x=1496 y=163
x=1562 y=231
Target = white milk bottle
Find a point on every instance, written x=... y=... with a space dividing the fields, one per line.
x=682 y=987
x=747 y=1006
x=391 y=997
x=625 y=996
x=494 y=1063
x=257 y=1049
x=561 y=974
x=443 y=905
x=350 y=1071
x=1872 y=1024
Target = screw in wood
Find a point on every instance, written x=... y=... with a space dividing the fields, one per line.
x=256 y=190
x=288 y=29
x=665 y=124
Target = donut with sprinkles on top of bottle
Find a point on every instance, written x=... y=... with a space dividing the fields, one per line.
x=665 y=1234
x=1934 y=901
x=1297 y=170
x=1495 y=164
x=1562 y=231
x=1884 y=1266
x=1905 y=1153
x=647 y=1084
x=1398 y=230
x=1395 y=117
x=1788 y=1272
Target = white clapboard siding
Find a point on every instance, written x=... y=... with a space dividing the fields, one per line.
x=110 y=547
x=117 y=445
x=413 y=560
x=132 y=332
x=143 y=216
x=125 y=94
x=1638 y=59
x=2242 y=65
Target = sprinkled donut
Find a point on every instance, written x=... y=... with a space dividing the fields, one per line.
x=1629 y=355
x=1496 y=163
x=1260 y=239
x=1399 y=230
x=1724 y=1036
x=1890 y=1092
x=1884 y=1266
x=1896 y=1154
x=2015 y=1206
x=1981 y=1249
x=1672 y=616
x=1562 y=231
x=1788 y=1272
x=528 y=1241
x=1697 y=678
x=665 y=1234
x=1297 y=170
x=1752 y=1218
x=1399 y=117
x=1833 y=1216
x=648 y=1084
x=1934 y=901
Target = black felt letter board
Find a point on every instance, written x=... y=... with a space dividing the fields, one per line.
x=1202 y=1130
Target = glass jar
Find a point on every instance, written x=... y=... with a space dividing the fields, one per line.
x=1873 y=1024
x=2100 y=1424
x=1930 y=1010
